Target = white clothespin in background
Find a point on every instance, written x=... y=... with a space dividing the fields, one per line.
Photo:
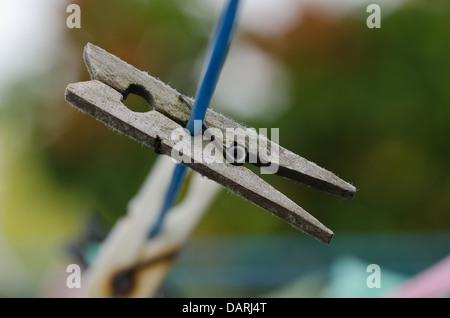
x=129 y=263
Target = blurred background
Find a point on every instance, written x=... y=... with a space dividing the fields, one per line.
x=371 y=105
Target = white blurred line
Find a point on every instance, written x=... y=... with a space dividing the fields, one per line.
x=252 y=84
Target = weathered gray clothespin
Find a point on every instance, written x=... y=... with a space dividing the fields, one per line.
x=126 y=259
x=114 y=79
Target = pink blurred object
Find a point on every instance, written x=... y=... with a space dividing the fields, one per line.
x=433 y=282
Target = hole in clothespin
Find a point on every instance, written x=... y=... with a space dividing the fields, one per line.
x=236 y=154
x=138 y=99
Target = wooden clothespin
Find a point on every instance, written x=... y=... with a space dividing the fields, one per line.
x=113 y=79
x=129 y=264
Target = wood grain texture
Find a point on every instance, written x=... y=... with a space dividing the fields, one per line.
x=114 y=79
x=105 y=104
x=111 y=70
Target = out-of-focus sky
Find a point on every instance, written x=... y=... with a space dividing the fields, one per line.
x=28 y=30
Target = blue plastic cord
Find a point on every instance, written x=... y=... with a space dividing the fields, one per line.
x=171 y=195
x=217 y=53
x=216 y=56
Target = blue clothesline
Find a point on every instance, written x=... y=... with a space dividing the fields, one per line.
x=217 y=53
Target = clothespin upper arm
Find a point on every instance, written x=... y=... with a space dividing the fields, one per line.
x=113 y=79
